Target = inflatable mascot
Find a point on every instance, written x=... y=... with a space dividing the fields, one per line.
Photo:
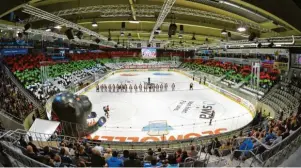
x=72 y=111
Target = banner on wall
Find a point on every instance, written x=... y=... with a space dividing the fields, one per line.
x=14 y=51
x=281 y=66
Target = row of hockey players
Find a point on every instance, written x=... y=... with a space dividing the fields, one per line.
x=124 y=87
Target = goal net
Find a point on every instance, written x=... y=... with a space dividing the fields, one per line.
x=158 y=128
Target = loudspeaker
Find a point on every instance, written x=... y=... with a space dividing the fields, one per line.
x=20 y=35
x=172 y=29
x=27 y=26
x=122 y=25
x=252 y=36
x=97 y=40
x=229 y=34
x=259 y=45
x=69 y=34
x=181 y=29
x=79 y=34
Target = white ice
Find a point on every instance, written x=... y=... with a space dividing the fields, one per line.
x=131 y=111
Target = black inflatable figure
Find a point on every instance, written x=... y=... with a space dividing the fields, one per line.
x=72 y=111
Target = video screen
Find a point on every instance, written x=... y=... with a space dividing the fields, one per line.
x=149 y=53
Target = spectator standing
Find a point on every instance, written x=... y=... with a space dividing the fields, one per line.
x=192 y=152
x=114 y=161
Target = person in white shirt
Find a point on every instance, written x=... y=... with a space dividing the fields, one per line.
x=98 y=148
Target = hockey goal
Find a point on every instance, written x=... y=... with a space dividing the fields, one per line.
x=158 y=128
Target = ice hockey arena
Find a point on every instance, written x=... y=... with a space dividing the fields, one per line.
x=150 y=83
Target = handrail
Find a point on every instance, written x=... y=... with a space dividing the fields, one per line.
x=6 y=133
x=15 y=118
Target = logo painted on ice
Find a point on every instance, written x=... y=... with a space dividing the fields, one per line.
x=190 y=109
x=157 y=127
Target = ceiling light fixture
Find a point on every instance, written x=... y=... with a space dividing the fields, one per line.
x=224 y=32
x=180 y=36
x=134 y=21
x=48 y=30
x=58 y=27
x=94 y=24
x=158 y=30
x=241 y=29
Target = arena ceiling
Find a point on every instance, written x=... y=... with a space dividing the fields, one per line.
x=205 y=19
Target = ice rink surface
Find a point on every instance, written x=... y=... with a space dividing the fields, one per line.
x=181 y=114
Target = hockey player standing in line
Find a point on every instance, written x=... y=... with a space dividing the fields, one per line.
x=131 y=88
x=105 y=86
x=212 y=116
x=97 y=88
x=193 y=78
x=117 y=87
x=150 y=88
x=157 y=87
x=166 y=86
x=173 y=86
x=101 y=88
x=140 y=87
x=113 y=87
x=161 y=87
x=136 y=88
x=110 y=88
x=191 y=86
x=145 y=88
x=204 y=80
x=200 y=80
x=154 y=88
x=125 y=88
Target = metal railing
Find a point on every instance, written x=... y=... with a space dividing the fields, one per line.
x=9 y=149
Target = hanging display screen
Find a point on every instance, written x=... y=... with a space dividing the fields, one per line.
x=149 y=53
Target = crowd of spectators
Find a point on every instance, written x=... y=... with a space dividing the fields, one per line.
x=12 y=100
x=266 y=134
x=85 y=155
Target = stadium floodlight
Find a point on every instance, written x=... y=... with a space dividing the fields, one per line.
x=241 y=29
